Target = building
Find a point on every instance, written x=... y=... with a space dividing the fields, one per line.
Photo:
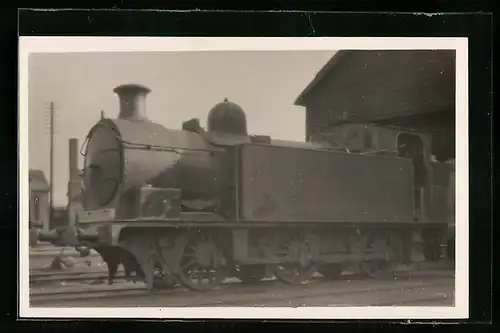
x=407 y=88
x=39 y=198
x=59 y=218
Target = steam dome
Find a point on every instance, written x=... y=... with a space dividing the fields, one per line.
x=227 y=117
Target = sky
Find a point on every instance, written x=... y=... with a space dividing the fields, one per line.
x=184 y=85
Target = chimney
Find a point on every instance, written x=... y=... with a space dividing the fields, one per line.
x=74 y=186
x=132 y=101
x=73 y=158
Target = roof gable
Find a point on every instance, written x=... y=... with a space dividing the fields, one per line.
x=324 y=71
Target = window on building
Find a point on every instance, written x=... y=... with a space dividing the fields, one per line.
x=36 y=208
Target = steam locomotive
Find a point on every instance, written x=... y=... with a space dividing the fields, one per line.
x=193 y=206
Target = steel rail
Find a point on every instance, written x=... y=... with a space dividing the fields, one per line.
x=141 y=291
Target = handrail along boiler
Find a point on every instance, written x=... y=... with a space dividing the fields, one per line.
x=194 y=206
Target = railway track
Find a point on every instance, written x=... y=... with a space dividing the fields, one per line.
x=47 y=276
x=233 y=293
x=120 y=289
x=40 y=259
x=396 y=295
x=65 y=276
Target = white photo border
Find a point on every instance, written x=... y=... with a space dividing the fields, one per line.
x=29 y=45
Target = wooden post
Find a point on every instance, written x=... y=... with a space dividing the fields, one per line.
x=51 y=184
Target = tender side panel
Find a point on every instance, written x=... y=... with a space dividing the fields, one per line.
x=290 y=184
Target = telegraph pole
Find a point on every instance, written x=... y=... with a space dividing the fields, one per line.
x=51 y=198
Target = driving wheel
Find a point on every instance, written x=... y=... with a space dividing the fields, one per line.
x=297 y=267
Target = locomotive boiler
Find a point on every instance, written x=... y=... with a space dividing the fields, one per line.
x=193 y=206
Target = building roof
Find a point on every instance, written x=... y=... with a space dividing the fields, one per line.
x=37 y=181
x=340 y=60
x=325 y=70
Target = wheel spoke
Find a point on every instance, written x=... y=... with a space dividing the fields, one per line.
x=200 y=270
x=295 y=250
